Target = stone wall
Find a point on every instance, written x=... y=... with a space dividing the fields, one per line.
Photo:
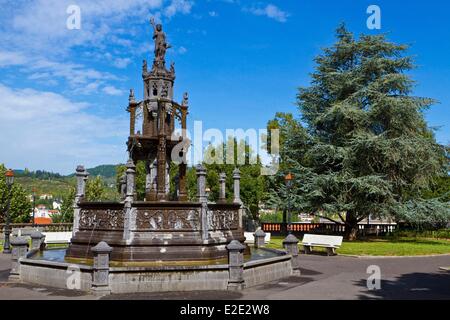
x=155 y=279
x=54 y=274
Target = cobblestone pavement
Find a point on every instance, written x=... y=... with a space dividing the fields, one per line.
x=338 y=277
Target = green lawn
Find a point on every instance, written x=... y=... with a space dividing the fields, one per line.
x=376 y=247
x=382 y=247
x=49 y=245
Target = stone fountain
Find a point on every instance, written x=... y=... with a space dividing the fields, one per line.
x=164 y=241
x=161 y=227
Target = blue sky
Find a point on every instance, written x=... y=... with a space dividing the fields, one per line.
x=63 y=92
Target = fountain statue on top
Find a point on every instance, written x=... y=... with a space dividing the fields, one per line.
x=163 y=226
x=160 y=42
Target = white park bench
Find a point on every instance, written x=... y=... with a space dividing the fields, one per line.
x=331 y=243
x=57 y=237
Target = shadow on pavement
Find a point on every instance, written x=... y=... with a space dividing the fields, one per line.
x=4 y=274
x=308 y=272
x=48 y=290
x=411 y=286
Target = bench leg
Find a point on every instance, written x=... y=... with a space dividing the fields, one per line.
x=331 y=251
x=307 y=249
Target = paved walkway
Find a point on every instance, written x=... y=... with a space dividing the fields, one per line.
x=323 y=277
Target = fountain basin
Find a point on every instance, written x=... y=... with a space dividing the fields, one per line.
x=52 y=268
x=170 y=231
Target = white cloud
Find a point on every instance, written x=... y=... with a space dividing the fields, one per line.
x=182 y=50
x=43 y=22
x=8 y=58
x=112 y=91
x=270 y=11
x=213 y=14
x=80 y=78
x=39 y=27
x=45 y=130
x=121 y=62
x=48 y=130
x=40 y=44
x=182 y=6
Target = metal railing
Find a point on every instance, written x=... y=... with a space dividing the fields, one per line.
x=51 y=227
x=280 y=228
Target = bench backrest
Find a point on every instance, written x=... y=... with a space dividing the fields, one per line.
x=321 y=239
x=57 y=237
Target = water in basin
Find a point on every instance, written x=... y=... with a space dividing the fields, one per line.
x=58 y=255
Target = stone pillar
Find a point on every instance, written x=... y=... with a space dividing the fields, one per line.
x=153 y=181
x=167 y=188
x=236 y=265
x=100 y=278
x=161 y=169
x=259 y=236
x=222 y=193
x=123 y=187
x=37 y=240
x=130 y=175
x=237 y=187
x=201 y=183
x=81 y=176
x=20 y=249
x=201 y=196
x=129 y=198
x=183 y=165
x=237 y=194
x=148 y=179
x=132 y=109
x=182 y=195
x=290 y=243
x=161 y=153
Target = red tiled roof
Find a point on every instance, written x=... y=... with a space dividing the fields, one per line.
x=42 y=220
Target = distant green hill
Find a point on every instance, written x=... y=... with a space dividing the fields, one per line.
x=38 y=174
x=105 y=170
x=54 y=186
x=45 y=182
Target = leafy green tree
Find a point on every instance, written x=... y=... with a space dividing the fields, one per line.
x=439 y=189
x=367 y=148
x=253 y=185
x=66 y=211
x=96 y=189
x=20 y=206
x=139 y=179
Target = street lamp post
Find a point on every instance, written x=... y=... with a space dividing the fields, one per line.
x=34 y=204
x=9 y=178
x=288 y=179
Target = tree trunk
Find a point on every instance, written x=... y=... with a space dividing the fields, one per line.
x=351 y=227
x=351 y=232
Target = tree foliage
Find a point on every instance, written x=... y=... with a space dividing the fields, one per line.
x=96 y=189
x=20 y=206
x=252 y=184
x=66 y=211
x=365 y=148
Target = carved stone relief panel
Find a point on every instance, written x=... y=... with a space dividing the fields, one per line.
x=223 y=219
x=167 y=219
x=101 y=219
